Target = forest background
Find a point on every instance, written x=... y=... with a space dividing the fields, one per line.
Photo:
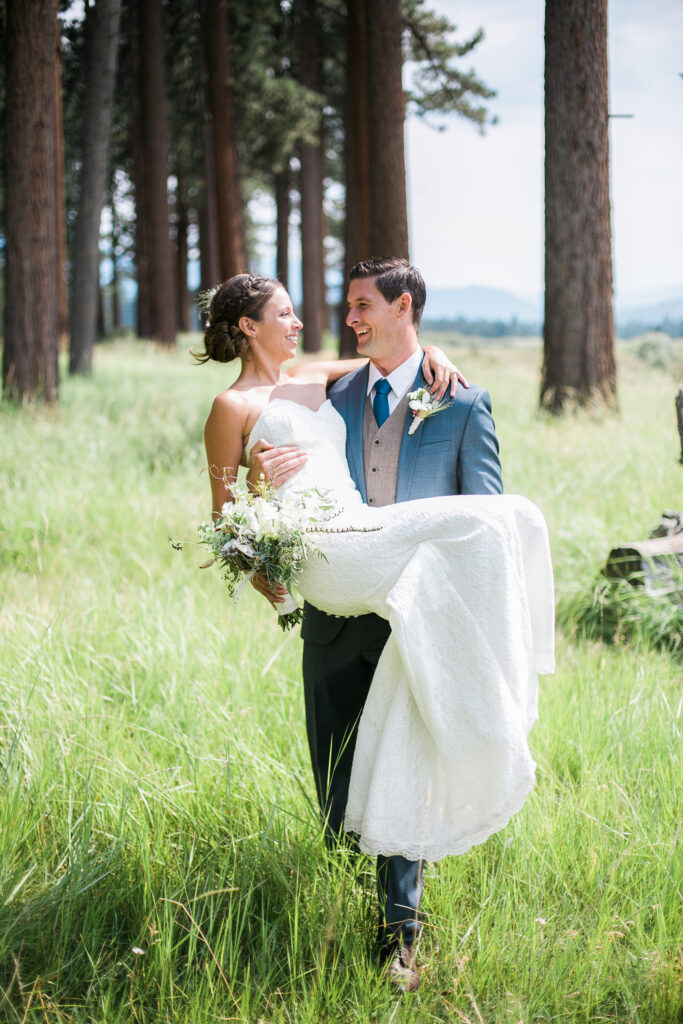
x=272 y=140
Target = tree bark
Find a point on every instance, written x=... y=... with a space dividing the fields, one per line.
x=311 y=178
x=102 y=36
x=62 y=297
x=151 y=175
x=228 y=198
x=388 y=213
x=578 y=334
x=115 y=297
x=357 y=240
x=101 y=327
x=210 y=266
x=283 y=206
x=30 y=354
x=376 y=203
x=183 y=312
x=145 y=327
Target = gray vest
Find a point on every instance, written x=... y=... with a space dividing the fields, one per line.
x=381 y=447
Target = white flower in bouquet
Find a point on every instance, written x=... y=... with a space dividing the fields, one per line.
x=264 y=520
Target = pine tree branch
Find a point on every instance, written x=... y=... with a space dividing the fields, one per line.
x=442 y=88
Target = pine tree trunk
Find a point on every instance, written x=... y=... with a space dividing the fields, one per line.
x=282 y=180
x=102 y=35
x=101 y=328
x=183 y=313
x=357 y=238
x=376 y=203
x=283 y=210
x=115 y=297
x=228 y=198
x=210 y=266
x=30 y=355
x=312 y=252
x=389 y=215
x=311 y=178
x=151 y=175
x=142 y=218
x=578 y=334
x=155 y=143
x=62 y=298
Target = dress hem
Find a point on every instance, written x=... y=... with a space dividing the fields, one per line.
x=429 y=852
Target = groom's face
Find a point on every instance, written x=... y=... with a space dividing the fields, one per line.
x=374 y=320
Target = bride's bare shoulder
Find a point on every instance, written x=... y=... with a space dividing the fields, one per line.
x=232 y=408
x=232 y=400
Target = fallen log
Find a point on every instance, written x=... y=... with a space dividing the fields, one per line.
x=656 y=564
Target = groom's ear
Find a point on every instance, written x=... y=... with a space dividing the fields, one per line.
x=404 y=304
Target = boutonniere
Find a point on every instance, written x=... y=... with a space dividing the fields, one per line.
x=422 y=405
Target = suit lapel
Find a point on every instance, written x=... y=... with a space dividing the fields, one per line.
x=410 y=447
x=354 y=429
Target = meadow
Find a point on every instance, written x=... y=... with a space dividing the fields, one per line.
x=161 y=858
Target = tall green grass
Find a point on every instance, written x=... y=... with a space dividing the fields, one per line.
x=161 y=857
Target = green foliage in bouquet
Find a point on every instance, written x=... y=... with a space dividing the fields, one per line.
x=258 y=532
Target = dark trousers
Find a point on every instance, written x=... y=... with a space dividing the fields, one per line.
x=337 y=677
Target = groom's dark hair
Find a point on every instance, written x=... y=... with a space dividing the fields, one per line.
x=394 y=276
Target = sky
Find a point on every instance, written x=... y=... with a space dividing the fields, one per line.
x=476 y=202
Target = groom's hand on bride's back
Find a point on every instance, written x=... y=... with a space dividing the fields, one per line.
x=274 y=465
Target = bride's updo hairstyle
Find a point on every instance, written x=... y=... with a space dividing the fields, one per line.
x=221 y=310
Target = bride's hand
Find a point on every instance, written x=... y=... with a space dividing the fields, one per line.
x=273 y=592
x=440 y=372
x=274 y=465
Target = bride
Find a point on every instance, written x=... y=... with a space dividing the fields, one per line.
x=441 y=759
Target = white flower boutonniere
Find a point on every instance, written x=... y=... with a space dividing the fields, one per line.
x=422 y=405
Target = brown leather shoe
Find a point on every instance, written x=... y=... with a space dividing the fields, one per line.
x=402 y=971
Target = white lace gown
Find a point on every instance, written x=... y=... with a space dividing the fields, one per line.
x=442 y=759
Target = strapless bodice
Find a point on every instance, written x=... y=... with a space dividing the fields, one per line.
x=321 y=433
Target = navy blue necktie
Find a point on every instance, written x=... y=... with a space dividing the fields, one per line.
x=380 y=405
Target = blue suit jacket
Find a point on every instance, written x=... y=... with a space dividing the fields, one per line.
x=453 y=452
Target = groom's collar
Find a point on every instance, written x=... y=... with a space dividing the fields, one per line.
x=402 y=378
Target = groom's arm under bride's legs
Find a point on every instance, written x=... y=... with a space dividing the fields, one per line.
x=337 y=677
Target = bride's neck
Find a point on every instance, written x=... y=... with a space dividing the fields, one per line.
x=257 y=374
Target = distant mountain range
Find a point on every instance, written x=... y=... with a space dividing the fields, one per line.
x=654 y=313
x=477 y=302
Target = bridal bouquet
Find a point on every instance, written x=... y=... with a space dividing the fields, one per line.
x=259 y=532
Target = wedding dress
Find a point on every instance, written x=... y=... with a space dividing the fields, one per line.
x=441 y=759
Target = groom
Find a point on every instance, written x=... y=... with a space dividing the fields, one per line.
x=453 y=452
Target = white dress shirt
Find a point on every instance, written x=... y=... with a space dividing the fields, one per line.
x=400 y=379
